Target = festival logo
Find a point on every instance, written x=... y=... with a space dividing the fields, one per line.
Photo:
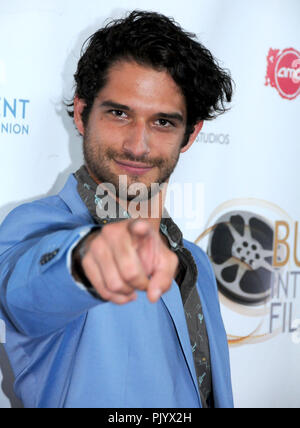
x=283 y=72
x=255 y=257
x=14 y=116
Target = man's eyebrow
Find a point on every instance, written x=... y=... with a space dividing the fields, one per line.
x=171 y=116
x=114 y=105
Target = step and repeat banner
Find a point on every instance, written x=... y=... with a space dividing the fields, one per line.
x=241 y=178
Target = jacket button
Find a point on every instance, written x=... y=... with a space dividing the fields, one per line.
x=48 y=257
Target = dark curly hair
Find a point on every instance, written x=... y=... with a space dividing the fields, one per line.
x=155 y=40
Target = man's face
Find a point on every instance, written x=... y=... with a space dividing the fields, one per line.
x=136 y=127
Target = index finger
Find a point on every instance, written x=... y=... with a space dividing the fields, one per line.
x=140 y=228
x=145 y=242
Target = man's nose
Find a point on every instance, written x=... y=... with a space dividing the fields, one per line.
x=137 y=140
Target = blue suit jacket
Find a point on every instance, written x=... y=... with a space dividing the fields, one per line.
x=69 y=349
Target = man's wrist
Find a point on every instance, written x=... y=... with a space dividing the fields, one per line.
x=78 y=254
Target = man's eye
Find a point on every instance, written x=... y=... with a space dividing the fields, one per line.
x=118 y=113
x=164 y=123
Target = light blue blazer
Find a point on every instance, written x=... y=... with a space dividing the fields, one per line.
x=69 y=349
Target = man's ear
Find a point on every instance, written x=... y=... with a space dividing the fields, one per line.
x=192 y=137
x=79 y=105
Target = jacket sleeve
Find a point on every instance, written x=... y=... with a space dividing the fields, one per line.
x=37 y=291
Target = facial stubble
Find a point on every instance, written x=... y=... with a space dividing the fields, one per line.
x=98 y=162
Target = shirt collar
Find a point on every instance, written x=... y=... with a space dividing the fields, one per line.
x=105 y=209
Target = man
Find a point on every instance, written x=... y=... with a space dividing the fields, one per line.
x=111 y=307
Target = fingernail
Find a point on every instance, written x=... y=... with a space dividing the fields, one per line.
x=156 y=294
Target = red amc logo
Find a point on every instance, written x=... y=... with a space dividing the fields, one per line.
x=283 y=72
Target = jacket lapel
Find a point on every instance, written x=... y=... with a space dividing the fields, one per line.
x=173 y=302
x=217 y=344
x=72 y=199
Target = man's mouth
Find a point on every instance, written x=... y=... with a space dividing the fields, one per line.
x=133 y=168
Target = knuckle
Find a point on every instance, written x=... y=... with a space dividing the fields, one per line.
x=100 y=249
x=115 y=286
x=131 y=278
x=104 y=294
x=96 y=246
x=87 y=265
x=129 y=271
x=112 y=230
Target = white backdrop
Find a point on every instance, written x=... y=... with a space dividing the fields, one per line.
x=246 y=161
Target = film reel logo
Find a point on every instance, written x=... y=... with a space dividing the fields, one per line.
x=241 y=251
x=283 y=72
x=240 y=244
